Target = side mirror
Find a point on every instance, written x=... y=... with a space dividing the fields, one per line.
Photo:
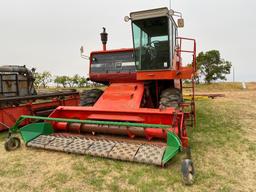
x=82 y=53
x=82 y=50
x=127 y=18
x=181 y=23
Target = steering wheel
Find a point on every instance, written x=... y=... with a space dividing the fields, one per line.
x=151 y=49
x=155 y=44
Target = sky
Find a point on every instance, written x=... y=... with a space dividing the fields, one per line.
x=48 y=34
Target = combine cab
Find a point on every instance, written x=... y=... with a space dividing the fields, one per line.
x=141 y=115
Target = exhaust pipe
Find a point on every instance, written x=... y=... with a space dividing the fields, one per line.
x=104 y=39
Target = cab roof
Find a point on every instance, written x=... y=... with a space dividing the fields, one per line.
x=151 y=13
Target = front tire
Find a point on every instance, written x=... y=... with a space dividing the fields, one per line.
x=188 y=171
x=12 y=144
x=90 y=97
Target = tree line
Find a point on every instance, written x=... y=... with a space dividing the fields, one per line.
x=45 y=78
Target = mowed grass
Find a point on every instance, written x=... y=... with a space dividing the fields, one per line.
x=223 y=149
x=224 y=87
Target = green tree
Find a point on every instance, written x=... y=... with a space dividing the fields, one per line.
x=82 y=82
x=61 y=80
x=75 y=80
x=46 y=78
x=38 y=80
x=212 y=67
x=42 y=79
x=70 y=81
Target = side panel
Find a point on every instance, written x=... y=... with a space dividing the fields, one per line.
x=112 y=66
x=183 y=73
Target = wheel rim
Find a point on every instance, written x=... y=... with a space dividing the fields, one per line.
x=188 y=172
x=12 y=144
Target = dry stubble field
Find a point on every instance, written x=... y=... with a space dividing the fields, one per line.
x=224 y=153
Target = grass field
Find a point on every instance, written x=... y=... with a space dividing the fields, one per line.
x=223 y=149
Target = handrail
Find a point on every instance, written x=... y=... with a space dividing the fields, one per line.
x=180 y=50
x=193 y=52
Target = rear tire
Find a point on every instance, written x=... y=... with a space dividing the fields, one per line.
x=90 y=97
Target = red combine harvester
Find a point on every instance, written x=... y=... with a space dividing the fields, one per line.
x=141 y=115
x=19 y=97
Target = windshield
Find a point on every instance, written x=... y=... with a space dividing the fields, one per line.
x=151 y=42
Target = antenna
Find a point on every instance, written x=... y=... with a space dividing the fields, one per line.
x=170 y=4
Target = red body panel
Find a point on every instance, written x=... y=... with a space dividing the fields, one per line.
x=113 y=77
x=182 y=73
x=121 y=96
x=140 y=115
x=121 y=102
x=111 y=51
x=9 y=115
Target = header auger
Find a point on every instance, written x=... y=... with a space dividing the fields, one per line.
x=141 y=115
